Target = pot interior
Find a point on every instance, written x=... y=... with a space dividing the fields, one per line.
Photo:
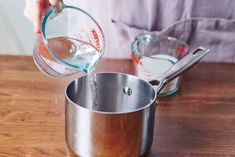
x=115 y=93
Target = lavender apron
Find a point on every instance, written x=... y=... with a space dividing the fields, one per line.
x=208 y=23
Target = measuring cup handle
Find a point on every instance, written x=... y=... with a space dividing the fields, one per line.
x=59 y=7
x=181 y=66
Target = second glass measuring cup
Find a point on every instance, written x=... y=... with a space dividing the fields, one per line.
x=153 y=55
x=71 y=41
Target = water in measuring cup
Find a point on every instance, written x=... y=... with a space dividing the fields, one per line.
x=75 y=52
x=81 y=55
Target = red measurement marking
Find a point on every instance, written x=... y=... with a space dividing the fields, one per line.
x=181 y=50
x=87 y=36
x=96 y=37
x=135 y=59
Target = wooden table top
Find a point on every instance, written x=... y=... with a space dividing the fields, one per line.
x=197 y=121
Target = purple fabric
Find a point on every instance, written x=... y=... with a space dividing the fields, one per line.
x=208 y=23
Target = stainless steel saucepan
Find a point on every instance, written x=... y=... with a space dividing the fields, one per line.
x=122 y=124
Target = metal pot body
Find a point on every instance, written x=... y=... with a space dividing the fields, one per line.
x=121 y=125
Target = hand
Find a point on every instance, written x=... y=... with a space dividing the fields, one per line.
x=35 y=9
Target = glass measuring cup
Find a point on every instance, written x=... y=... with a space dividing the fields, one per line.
x=70 y=41
x=153 y=55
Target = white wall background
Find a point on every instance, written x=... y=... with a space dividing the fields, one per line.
x=16 y=32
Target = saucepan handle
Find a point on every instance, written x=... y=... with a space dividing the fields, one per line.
x=181 y=66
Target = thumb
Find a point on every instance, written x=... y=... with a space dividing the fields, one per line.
x=54 y=2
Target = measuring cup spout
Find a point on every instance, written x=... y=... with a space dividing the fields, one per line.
x=181 y=66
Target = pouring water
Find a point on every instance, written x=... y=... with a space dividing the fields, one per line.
x=81 y=54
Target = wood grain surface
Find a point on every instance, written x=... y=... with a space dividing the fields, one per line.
x=197 y=121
